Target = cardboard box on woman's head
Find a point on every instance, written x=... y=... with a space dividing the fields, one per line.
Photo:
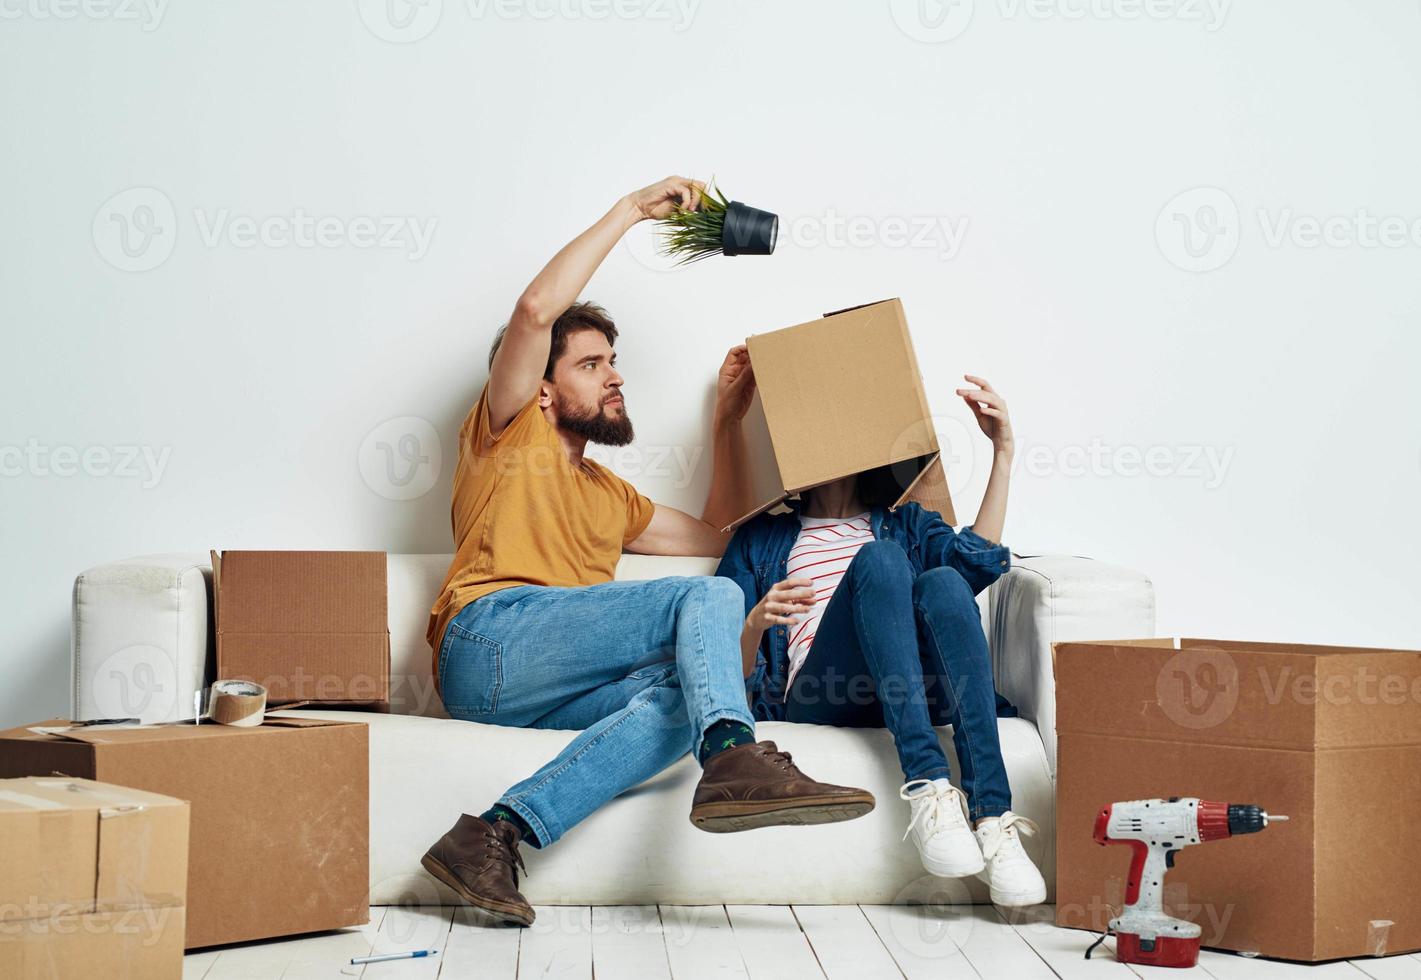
x=841 y=396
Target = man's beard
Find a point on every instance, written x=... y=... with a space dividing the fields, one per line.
x=595 y=426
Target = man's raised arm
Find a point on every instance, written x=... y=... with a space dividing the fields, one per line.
x=523 y=356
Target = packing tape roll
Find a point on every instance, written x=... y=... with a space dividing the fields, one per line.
x=239 y=703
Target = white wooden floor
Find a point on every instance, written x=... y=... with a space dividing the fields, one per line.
x=775 y=942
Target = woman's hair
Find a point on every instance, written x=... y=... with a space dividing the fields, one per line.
x=881 y=486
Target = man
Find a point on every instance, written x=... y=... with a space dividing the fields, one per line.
x=529 y=629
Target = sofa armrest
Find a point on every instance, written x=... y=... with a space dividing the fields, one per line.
x=139 y=640
x=1046 y=599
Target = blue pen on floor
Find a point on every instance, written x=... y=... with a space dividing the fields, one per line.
x=411 y=955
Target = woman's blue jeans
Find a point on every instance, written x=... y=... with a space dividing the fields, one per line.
x=907 y=653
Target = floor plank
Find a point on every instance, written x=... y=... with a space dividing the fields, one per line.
x=1063 y=950
x=477 y=947
x=196 y=965
x=700 y=945
x=771 y=944
x=921 y=940
x=845 y=944
x=314 y=957
x=1231 y=966
x=1389 y=967
x=407 y=929
x=994 y=948
x=627 y=943
x=558 y=944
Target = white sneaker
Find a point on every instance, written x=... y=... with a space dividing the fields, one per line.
x=1012 y=876
x=939 y=828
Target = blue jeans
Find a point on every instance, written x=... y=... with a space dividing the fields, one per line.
x=642 y=668
x=908 y=653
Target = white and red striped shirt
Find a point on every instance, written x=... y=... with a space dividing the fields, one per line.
x=821 y=553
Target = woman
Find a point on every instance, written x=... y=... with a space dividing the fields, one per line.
x=861 y=617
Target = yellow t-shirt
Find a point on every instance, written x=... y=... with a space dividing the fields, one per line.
x=524 y=515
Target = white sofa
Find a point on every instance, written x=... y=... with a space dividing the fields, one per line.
x=142 y=645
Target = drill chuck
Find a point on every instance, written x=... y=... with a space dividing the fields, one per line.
x=1248 y=819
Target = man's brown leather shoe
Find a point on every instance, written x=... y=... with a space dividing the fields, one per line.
x=477 y=861
x=757 y=785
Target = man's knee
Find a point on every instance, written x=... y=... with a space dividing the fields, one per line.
x=882 y=560
x=718 y=591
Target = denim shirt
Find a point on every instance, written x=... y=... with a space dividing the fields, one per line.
x=757 y=556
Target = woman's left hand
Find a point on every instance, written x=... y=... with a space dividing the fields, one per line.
x=990 y=408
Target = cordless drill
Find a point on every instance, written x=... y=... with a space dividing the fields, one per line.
x=1155 y=831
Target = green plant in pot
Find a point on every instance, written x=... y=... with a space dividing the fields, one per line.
x=717 y=227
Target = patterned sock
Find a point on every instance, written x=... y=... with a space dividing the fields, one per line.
x=724 y=734
x=500 y=812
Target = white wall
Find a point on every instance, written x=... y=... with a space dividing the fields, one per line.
x=1053 y=137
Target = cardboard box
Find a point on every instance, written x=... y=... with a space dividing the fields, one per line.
x=309 y=626
x=94 y=881
x=280 y=827
x=842 y=395
x=1328 y=736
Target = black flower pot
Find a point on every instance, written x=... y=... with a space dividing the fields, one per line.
x=748 y=231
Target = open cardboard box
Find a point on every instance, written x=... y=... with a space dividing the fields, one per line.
x=309 y=626
x=843 y=395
